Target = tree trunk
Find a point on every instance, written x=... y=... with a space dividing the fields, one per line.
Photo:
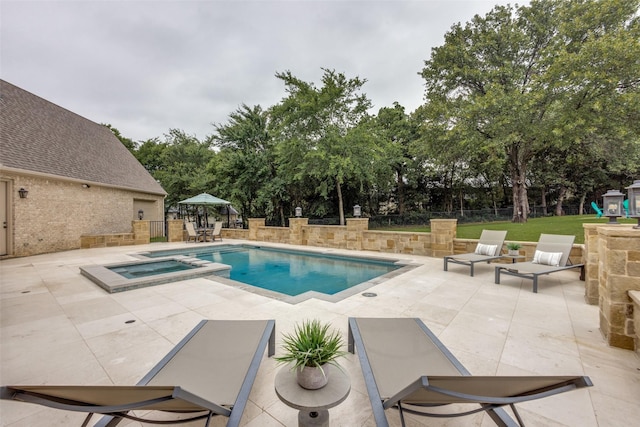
x=581 y=207
x=461 y=203
x=518 y=185
x=544 y=201
x=400 y=192
x=340 y=202
x=561 y=196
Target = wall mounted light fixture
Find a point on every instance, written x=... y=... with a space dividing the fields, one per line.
x=23 y=193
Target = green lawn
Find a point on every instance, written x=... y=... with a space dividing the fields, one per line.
x=531 y=230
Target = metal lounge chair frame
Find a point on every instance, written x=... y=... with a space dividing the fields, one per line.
x=488 y=237
x=405 y=366
x=531 y=270
x=192 y=368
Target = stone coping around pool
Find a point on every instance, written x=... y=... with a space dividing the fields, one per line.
x=114 y=282
x=339 y=296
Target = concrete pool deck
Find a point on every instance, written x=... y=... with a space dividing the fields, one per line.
x=58 y=327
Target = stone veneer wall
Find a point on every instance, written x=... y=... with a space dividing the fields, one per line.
x=56 y=213
x=618 y=273
x=591 y=264
x=140 y=235
x=354 y=236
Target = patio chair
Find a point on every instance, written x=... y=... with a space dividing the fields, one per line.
x=211 y=370
x=488 y=248
x=194 y=234
x=551 y=255
x=406 y=367
x=216 y=232
x=596 y=209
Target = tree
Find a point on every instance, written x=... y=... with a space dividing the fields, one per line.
x=245 y=165
x=517 y=81
x=321 y=133
x=127 y=142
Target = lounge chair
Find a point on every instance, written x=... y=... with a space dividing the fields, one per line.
x=212 y=370
x=552 y=254
x=488 y=248
x=194 y=234
x=406 y=367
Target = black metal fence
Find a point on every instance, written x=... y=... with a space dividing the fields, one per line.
x=158 y=231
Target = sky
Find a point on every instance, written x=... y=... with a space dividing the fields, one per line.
x=146 y=67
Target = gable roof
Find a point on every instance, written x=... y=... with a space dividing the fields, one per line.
x=39 y=136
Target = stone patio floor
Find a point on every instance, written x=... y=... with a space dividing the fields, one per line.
x=57 y=327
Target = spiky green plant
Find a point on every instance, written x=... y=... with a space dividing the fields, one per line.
x=311 y=344
x=513 y=246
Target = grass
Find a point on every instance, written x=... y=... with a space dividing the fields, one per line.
x=529 y=231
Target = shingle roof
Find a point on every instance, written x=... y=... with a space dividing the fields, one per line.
x=39 y=136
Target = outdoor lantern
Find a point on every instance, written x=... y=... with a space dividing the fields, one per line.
x=140 y=214
x=298 y=212
x=613 y=200
x=634 y=201
x=357 y=211
x=23 y=193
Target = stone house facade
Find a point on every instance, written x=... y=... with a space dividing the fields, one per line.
x=79 y=178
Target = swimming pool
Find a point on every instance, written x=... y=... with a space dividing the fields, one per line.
x=284 y=273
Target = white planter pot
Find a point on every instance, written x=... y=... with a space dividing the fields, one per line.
x=514 y=252
x=312 y=378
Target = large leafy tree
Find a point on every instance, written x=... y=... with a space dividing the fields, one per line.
x=244 y=170
x=520 y=80
x=321 y=134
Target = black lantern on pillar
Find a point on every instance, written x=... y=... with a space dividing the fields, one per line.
x=298 y=212
x=357 y=211
x=140 y=214
x=634 y=201
x=613 y=200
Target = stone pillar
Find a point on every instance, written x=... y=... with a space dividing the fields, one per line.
x=295 y=230
x=254 y=225
x=635 y=297
x=591 y=263
x=141 y=232
x=619 y=272
x=355 y=228
x=175 y=230
x=443 y=231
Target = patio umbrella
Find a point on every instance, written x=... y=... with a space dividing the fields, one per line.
x=204 y=199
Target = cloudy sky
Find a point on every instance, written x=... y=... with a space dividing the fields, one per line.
x=148 y=66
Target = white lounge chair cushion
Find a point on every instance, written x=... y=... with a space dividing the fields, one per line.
x=547 y=258
x=483 y=249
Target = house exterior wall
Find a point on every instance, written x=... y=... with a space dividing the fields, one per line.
x=57 y=212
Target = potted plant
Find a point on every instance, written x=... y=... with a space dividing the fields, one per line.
x=310 y=348
x=513 y=248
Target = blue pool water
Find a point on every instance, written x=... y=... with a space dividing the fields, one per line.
x=291 y=272
x=150 y=268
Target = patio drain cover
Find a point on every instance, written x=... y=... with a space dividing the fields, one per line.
x=369 y=294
